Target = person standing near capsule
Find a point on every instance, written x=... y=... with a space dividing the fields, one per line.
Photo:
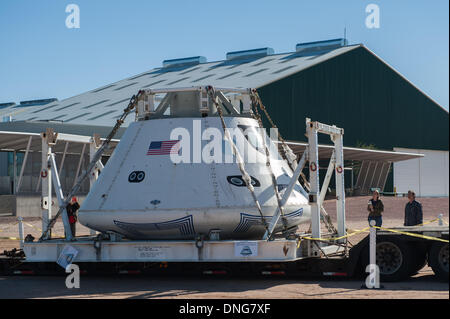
x=413 y=211
x=375 y=207
x=72 y=209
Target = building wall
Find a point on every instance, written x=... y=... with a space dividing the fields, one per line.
x=423 y=175
x=3 y=163
x=360 y=93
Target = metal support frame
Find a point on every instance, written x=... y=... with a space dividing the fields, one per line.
x=93 y=148
x=326 y=218
x=60 y=196
x=203 y=102
x=163 y=105
x=196 y=88
x=327 y=179
x=49 y=176
x=221 y=251
x=316 y=196
x=48 y=140
x=146 y=106
x=227 y=103
x=338 y=140
x=286 y=195
x=311 y=132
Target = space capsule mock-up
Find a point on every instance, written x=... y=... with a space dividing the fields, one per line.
x=172 y=175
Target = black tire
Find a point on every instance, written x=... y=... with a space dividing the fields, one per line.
x=438 y=260
x=419 y=257
x=395 y=258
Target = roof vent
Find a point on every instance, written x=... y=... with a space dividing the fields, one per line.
x=37 y=102
x=249 y=54
x=320 y=45
x=184 y=61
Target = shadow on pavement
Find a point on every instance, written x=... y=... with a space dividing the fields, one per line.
x=171 y=287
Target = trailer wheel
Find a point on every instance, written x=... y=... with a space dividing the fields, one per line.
x=419 y=258
x=394 y=258
x=438 y=260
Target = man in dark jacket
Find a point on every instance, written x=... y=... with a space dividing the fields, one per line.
x=72 y=209
x=413 y=211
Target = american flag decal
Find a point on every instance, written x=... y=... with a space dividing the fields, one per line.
x=164 y=147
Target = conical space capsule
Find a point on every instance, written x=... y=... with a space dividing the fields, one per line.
x=173 y=174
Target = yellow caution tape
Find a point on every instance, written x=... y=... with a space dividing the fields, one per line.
x=338 y=238
x=1 y=230
x=15 y=238
x=10 y=238
x=429 y=222
x=35 y=227
x=412 y=234
x=299 y=242
x=432 y=221
x=32 y=226
x=391 y=230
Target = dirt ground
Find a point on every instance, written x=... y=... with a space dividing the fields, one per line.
x=422 y=285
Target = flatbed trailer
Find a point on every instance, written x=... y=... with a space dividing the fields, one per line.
x=400 y=252
x=399 y=256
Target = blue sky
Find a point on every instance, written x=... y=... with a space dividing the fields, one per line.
x=41 y=58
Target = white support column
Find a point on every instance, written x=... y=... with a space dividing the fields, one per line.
x=311 y=131
x=46 y=198
x=373 y=244
x=48 y=139
x=340 y=186
x=24 y=163
x=373 y=279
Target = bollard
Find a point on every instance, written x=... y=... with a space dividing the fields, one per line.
x=441 y=223
x=373 y=244
x=20 y=219
x=373 y=279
